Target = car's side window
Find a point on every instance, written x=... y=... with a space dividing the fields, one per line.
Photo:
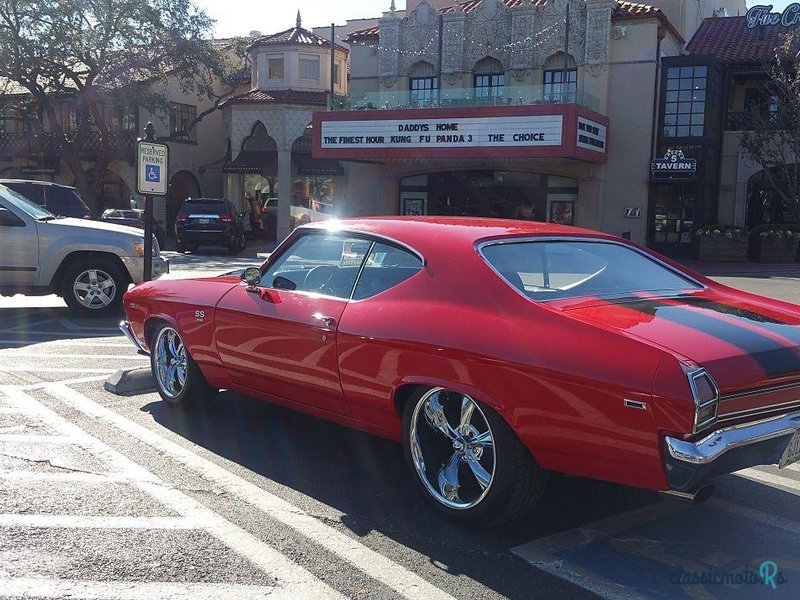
x=9 y=219
x=322 y=263
x=386 y=267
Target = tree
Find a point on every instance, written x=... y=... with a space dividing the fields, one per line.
x=773 y=136
x=105 y=57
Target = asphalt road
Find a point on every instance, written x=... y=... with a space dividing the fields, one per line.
x=104 y=496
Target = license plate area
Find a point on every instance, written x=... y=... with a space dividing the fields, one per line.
x=203 y=221
x=792 y=452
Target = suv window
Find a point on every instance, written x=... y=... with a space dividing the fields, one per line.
x=59 y=200
x=205 y=207
x=323 y=263
x=386 y=267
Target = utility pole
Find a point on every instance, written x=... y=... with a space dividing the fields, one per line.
x=333 y=57
x=565 y=74
x=149 y=136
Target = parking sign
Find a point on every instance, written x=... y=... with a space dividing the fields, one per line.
x=152 y=169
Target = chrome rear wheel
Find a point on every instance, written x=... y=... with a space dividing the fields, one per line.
x=170 y=362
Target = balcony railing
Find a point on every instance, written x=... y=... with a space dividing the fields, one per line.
x=121 y=143
x=458 y=97
x=746 y=121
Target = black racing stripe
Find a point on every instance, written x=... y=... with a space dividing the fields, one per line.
x=733 y=311
x=773 y=357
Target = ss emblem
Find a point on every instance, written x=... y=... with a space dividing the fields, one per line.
x=199 y=315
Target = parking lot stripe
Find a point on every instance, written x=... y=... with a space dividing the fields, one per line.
x=135 y=590
x=71 y=477
x=94 y=522
x=18 y=354
x=37 y=369
x=374 y=564
x=299 y=580
x=68 y=342
x=772 y=479
x=756 y=515
x=60 y=334
x=16 y=438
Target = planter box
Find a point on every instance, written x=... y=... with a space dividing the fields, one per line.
x=720 y=248
x=774 y=250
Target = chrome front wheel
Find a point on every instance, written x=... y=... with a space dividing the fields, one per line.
x=452 y=448
x=170 y=362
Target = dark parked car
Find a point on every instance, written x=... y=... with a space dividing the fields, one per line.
x=209 y=222
x=59 y=199
x=133 y=217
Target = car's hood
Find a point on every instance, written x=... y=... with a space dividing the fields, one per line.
x=76 y=224
x=743 y=344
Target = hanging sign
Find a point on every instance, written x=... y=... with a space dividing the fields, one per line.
x=674 y=162
x=762 y=15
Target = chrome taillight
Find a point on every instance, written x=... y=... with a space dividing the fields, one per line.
x=706 y=398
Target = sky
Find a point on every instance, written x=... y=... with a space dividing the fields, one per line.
x=239 y=17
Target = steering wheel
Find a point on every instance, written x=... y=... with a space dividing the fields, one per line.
x=318 y=279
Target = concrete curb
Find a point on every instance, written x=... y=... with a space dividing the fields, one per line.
x=131 y=382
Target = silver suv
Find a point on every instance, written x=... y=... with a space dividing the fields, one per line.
x=88 y=263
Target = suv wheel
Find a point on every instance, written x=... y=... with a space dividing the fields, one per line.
x=94 y=287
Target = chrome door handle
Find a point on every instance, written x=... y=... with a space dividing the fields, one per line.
x=329 y=322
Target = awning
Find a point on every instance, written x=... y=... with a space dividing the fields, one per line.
x=254 y=161
x=308 y=165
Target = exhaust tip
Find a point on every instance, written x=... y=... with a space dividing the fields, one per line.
x=699 y=496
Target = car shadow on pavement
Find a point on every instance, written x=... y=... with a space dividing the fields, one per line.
x=366 y=479
x=27 y=326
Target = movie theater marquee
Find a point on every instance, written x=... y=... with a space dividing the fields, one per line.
x=496 y=132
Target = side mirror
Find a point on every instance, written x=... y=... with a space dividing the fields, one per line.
x=282 y=283
x=9 y=219
x=251 y=276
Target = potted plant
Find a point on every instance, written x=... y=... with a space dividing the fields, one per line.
x=724 y=243
x=775 y=242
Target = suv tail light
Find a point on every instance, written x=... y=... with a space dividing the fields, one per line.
x=226 y=218
x=182 y=218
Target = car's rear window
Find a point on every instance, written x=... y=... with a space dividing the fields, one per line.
x=205 y=207
x=57 y=199
x=550 y=270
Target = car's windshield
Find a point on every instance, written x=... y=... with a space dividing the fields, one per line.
x=550 y=270
x=21 y=202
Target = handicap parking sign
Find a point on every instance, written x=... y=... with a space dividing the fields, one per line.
x=152 y=168
x=153 y=173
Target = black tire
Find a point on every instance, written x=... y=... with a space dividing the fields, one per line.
x=243 y=242
x=180 y=248
x=233 y=247
x=87 y=285
x=195 y=389
x=517 y=481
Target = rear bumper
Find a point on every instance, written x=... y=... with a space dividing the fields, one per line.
x=689 y=465
x=187 y=238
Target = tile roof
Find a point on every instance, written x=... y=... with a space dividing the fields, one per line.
x=622 y=10
x=732 y=42
x=296 y=36
x=280 y=97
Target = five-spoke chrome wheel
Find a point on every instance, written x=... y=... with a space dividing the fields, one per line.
x=452 y=448
x=94 y=289
x=170 y=362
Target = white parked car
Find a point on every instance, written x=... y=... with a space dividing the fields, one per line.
x=88 y=263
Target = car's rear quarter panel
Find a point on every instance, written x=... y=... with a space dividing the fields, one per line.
x=559 y=383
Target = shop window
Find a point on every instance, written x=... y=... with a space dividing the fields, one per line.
x=685 y=101
x=423 y=91
x=275 y=68
x=181 y=119
x=312 y=200
x=309 y=68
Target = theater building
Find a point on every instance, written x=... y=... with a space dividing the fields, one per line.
x=545 y=110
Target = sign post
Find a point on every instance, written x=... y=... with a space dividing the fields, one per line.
x=152 y=174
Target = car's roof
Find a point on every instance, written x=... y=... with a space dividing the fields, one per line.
x=419 y=232
x=37 y=182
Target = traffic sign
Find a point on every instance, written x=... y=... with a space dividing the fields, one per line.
x=152 y=168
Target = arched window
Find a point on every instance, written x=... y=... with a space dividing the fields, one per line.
x=489 y=79
x=557 y=72
x=423 y=84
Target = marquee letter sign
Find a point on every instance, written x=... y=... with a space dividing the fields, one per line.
x=673 y=163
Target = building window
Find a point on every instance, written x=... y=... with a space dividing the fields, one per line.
x=69 y=118
x=120 y=118
x=423 y=91
x=181 y=118
x=489 y=86
x=685 y=101
x=10 y=119
x=554 y=88
x=309 y=68
x=275 y=66
x=761 y=103
x=337 y=73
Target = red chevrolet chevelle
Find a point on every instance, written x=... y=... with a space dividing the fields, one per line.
x=496 y=351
